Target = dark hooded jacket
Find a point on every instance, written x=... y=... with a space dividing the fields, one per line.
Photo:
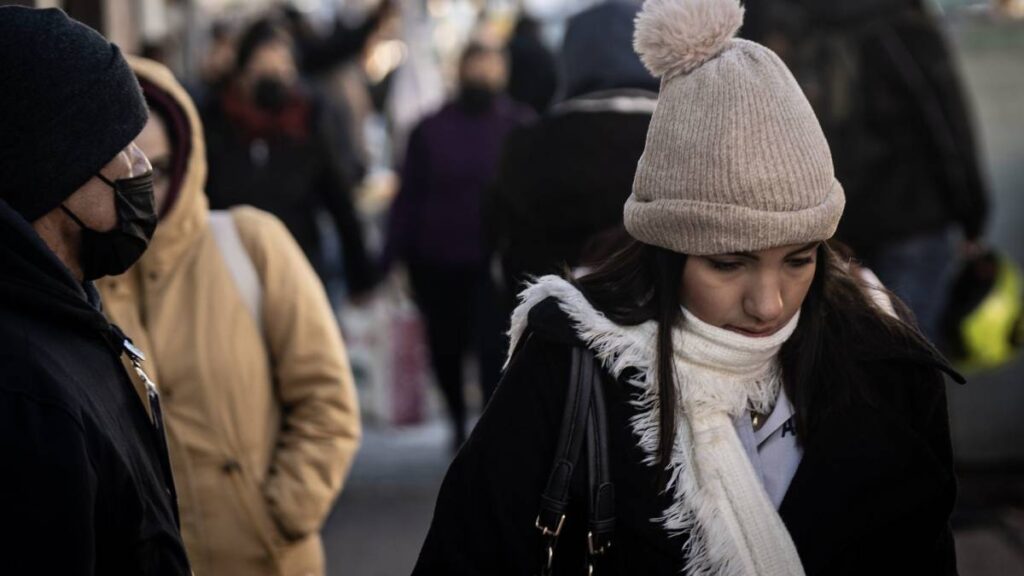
x=533 y=71
x=86 y=486
x=885 y=86
x=563 y=181
x=872 y=494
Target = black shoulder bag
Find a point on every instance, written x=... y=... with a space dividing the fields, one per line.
x=584 y=420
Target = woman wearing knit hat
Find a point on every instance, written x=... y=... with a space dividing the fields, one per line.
x=756 y=411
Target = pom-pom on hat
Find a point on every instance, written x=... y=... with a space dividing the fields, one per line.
x=735 y=159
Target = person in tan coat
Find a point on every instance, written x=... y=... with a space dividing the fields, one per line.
x=260 y=406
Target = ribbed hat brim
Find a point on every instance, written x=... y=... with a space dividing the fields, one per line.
x=703 y=228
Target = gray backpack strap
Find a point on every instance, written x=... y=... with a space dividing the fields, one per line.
x=238 y=261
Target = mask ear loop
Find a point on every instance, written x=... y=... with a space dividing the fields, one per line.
x=72 y=215
x=105 y=181
x=76 y=219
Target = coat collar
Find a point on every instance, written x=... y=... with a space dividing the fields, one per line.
x=617 y=101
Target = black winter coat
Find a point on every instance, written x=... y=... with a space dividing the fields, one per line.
x=872 y=495
x=564 y=180
x=85 y=486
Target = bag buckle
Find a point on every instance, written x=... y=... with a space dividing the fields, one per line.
x=552 y=540
x=545 y=531
x=595 y=549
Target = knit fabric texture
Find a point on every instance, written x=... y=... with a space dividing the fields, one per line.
x=69 y=105
x=735 y=159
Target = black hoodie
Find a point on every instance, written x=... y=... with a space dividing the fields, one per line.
x=85 y=486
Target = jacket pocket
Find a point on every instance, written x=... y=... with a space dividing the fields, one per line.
x=241 y=538
x=250 y=496
x=299 y=557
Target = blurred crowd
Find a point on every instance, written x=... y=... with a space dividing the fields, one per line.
x=312 y=167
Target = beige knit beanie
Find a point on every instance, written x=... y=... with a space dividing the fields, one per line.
x=735 y=159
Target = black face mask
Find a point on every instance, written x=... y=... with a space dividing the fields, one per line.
x=270 y=94
x=112 y=252
x=477 y=99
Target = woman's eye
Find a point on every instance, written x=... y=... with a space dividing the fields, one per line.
x=801 y=262
x=724 y=266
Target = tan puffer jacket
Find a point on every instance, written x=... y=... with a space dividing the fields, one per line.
x=263 y=423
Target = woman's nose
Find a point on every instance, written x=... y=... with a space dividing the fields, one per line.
x=763 y=300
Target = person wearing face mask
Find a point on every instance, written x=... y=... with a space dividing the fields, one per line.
x=276 y=144
x=743 y=405
x=87 y=485
x=261 y=412
x=435 y=226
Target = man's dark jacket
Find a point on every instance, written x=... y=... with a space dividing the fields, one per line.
x=85 y=485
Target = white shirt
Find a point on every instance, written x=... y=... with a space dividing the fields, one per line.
x=773 y=450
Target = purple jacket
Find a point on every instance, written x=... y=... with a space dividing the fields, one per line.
x=452 y=158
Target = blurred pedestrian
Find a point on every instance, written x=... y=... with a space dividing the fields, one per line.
x=274 y=143
x=562 y=181
x=318 y=54
x=436 y=227
x=86 y=486
x=216 y=64
x=325 y=60
x=259 y=401
x=752 y=410
x=533 y=70
x=884 y=84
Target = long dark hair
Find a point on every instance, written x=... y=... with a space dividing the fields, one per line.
x=821 y=364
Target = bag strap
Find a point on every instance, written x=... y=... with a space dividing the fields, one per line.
x=602 y=490
x=555 y=499
x=583 y=421
x=238 y=261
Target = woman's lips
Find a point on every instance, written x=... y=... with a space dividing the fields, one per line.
x=754 y=332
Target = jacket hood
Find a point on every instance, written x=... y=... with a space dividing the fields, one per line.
x=598 y=54
x=186 y=217
x=32 y=278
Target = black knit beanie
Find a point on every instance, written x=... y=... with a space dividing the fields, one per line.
x=69 y=104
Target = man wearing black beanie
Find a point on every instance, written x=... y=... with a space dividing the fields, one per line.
x=86 y=486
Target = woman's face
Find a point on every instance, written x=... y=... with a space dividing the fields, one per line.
x=751 y=293
x=273 y=60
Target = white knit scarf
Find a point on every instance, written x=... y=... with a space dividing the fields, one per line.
x=718 y=498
